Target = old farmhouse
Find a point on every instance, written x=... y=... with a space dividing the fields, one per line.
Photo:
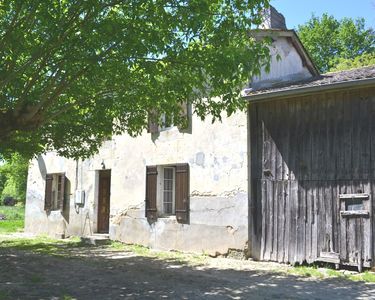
x=291 y=180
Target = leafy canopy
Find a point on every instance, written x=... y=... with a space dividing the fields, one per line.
x=366 y=59
x=13 y=177
x=73 y=72
x=329 y=41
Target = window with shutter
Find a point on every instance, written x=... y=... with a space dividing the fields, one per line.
x=55 y=192
x=167 y=192
x=161 y=121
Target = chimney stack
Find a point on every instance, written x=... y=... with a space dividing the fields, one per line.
x=272 y=19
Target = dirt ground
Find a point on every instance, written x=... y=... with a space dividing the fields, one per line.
x=106 y=273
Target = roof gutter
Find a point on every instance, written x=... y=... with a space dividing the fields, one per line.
x=270 y=96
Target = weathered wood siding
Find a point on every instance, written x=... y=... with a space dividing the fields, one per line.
x=305 y=152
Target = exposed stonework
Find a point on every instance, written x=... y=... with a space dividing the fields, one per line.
x=272 y=19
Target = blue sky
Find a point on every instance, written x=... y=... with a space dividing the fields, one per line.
x=299 y=11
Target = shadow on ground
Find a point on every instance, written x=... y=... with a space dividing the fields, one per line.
x=97 y=273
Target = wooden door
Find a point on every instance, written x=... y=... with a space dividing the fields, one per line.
x=356 y=233
x=104 y=201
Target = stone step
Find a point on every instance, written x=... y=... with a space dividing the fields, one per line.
x=96 y=239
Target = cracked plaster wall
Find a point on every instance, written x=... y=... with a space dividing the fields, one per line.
x=286 y=65
x=217 y=155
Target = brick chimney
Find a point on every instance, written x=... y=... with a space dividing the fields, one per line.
x=272 y=19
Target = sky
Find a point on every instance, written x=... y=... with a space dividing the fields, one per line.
x=299 y=11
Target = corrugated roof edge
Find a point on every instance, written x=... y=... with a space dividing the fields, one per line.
x=274 y=94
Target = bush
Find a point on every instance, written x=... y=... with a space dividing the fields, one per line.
x=9 y=201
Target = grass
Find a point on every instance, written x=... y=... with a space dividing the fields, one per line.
x=320 y=273
x=176 y=256
x=43 y=245
x=306 y=271
x=15 y=216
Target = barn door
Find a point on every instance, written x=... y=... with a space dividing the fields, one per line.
x=356 y=233
x=104 y=201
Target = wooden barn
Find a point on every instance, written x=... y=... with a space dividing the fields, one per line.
x=312 y=170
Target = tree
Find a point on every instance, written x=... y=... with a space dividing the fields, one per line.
x=366 y=59
x=13 y=177
x=73 y=72
x=329 y=40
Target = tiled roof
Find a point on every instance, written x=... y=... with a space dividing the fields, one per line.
x=324 y=80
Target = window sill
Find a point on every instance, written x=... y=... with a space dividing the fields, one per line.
x=167 y=216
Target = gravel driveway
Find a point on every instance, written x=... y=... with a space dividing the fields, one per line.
x=104 y=273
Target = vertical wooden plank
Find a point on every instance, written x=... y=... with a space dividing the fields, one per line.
x=298 y=134
x=321 y=218
x=275 y=220
x=347 y=138
x=271 y=128
x=301 y=223
x=367 y=226
x=356 y=133
x=293 y=221
x=287 y=220
x=314 y=227
x=372 y=130
x=341 y=135
x=364 y=138
x=269 y=226
x=277 y=138
x=343 y=225
x=281 y=222
x=264 y=219
x=330 y=158
x=321 y=163
x=291 y=155
x=285 y=129
x=309 y=221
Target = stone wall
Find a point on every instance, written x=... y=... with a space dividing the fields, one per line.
x=217 y=156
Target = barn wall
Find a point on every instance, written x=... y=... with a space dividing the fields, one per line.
x=308 y=150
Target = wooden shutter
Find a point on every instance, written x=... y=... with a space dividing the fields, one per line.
x=61 y=191
x=153 y=126
x=48 y=193
x=182 y=193
x=151 y=193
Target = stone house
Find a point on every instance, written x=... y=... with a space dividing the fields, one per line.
x=192 y=190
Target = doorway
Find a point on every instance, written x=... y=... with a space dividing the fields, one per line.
x=104 y=200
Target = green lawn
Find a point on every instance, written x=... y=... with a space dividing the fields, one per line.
x=15 y=219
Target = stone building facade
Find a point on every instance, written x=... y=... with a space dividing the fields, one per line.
x=169 y=189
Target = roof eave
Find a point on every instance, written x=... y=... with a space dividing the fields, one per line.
x=295 y=92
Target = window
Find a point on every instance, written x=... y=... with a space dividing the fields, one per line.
x=158 y=122
x=354 y=205
x=55 y=192
x=166 y=122
x=167 y=192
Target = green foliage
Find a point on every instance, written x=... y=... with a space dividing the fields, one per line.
x=329 y=40
x=14 y=222
x=13 y=177
x=73 y=72
x=314 y=271
x=366 y=59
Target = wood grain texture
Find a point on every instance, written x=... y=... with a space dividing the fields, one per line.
x=305 y=153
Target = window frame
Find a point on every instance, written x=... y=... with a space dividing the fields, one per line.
x=57 y=190
x=161 y=189
x=181 y=197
